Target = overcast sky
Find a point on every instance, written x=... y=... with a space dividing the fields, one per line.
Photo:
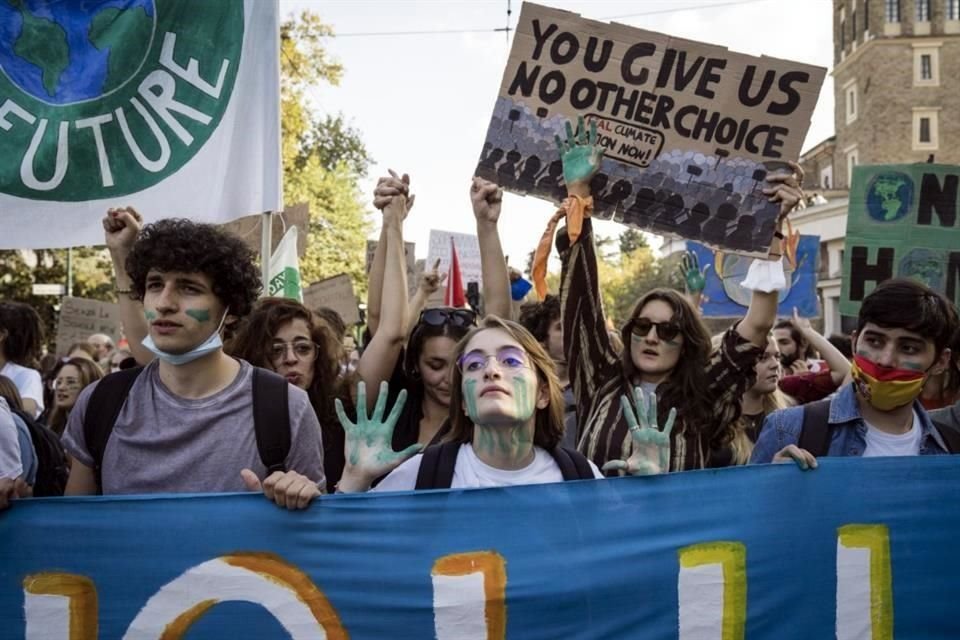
x=423 y=102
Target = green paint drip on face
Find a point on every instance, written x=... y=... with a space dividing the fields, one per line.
x=863 y=353
x=913 y=366
x=635 y=338
x=674 y=344
x=200 y=315
x=521 y=397
x=470 y=395
x=150 y=315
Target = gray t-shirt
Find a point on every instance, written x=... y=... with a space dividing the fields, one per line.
x=162 y=443
x=10 y=466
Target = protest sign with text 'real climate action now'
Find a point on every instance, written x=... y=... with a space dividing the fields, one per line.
x=146 y=103
x=902 y=223
x=690 y=130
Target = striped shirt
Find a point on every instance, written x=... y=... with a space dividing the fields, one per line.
x=598 y=380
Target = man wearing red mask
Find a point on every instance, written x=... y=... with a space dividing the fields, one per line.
x=902 y=337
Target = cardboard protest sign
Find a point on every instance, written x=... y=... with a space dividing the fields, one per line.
x=249 y=228
x=81 y=318
x=335 y=293
x=145 y=103
x=690 y=130
x=409 y=250
x=724 y=297
x=902 y=222
x=468 y=253
x=873 y=556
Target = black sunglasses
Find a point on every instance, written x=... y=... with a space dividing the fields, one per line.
x=437 y=317
x=640 y=327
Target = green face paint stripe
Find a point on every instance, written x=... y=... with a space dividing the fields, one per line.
x=470 y=395
x=150 y=315
x=200 y=315
x=913 y=366
x=522 y=399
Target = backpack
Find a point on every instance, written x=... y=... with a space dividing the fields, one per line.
x=436 y=467
x=816 y=431
x=52 y=467
x=270 y=409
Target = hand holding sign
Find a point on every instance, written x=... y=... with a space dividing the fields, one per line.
x=580 y=154
x=290 y=490
x=651 y=446
x=368 y=447
x=786 y=189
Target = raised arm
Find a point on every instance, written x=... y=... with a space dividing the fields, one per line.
x=121 y=227
x=838 y=363
x=486 y=198
x=430 y=282
x=762 y=312
x=591 y=360
x=378 y=360
x=397 y=186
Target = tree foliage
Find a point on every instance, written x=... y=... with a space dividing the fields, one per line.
x=323 y=157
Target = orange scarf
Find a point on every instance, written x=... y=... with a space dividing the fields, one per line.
x=574 y=209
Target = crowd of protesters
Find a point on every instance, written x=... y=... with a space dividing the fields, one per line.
x=216 y=389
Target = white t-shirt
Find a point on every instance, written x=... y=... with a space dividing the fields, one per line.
x=27 y=381
x=880 y=443
x=471 y=473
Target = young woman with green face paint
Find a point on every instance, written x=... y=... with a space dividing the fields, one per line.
x=506 y=411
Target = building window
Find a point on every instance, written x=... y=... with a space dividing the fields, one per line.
x=926 y=64
x=853 y=25
x=925 y=129
x=843 y=35
x=892 y=10
x=923 y=10
x=853 y=159
x=850 y=92
x=826 y=177
x=953 y=9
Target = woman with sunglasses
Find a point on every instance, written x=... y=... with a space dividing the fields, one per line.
x=423 y=369
x=667 y=349
x=506 y=413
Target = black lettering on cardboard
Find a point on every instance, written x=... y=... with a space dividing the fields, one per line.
x=550 y=94
x=590 y=60
x=573 y=47
x=862 y=271
x=785 y=83
x=524 y=81
x=583 y=94
x=746 y=83
x=540 y=37
x=639 y=50
x=942 y=199
x=953 y=274
x=710 y=76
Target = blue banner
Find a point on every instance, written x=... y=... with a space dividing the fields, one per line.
x=859 y=548
x=723 y=296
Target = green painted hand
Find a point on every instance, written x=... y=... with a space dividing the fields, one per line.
x=651 y=446
x=579 y=153
x=694 y=279
x=368 y=447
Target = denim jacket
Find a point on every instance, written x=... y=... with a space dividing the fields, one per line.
x=849 y=433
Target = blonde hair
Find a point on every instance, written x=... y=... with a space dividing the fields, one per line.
x=741 y=445
x=89 y=372
x=548 y=426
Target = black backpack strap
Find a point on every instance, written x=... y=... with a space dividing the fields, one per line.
x=436 y=466
x=271 y=419
x=101 y=414
x=816 y=432
x=951 y=437
x=573 y=464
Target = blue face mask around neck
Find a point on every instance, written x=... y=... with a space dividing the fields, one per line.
x=208 y=346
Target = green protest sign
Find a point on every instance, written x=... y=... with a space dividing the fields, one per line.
x=901 y=222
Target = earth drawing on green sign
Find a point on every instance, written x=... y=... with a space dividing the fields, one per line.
x=889 y=196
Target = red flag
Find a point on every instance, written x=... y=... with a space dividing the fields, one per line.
x=454 y=295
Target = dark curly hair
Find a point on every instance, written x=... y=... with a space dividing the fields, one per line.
x=536 y=317
x=21 y=333
x=252 y=342
x=176 y=244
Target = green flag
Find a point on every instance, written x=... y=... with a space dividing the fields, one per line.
x=285 y=268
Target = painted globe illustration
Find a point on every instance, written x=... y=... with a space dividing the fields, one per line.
x=66 y=52
x=889 y=196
